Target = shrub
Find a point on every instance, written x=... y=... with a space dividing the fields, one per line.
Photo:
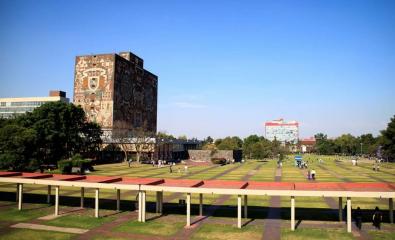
x=65 y=166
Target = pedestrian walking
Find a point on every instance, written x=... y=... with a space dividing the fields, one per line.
x=171 y=168
x=313 y=174
x=377 y=218
x=358 y=218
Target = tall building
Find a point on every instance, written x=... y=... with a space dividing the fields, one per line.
x=282 y=131
x=11 y=107
x=116 y=91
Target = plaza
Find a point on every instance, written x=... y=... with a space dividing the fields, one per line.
x=216 y=218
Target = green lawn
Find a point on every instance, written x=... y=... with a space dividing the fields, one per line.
x=18 y=234
x=84 y=220
x=166 y=226
x=307 y=208
x=226 y=232
x=315 y=234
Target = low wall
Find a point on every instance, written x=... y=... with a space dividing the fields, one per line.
x=207 y=155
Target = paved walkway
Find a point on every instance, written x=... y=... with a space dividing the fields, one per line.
x=272 y=228
x=49 y=228
x=186 y=233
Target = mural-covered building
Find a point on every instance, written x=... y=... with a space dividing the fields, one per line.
x=282 y=131
x=116 y=91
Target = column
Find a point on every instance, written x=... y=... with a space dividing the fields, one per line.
x=188 y=209
x=82 y=197
x=391 y=209
x=348 y=214
x=143 y=207
x=96 y=203
x=49 y=194
x=340 y=209
x=20 y=195
x=239 y=211
x=161 y=202
x=140 y=197
x=118 y=200
x=245 y=206
x=200 y=204
x=293 y=213
x=56 y=200
x=17 y=192
x=157 y=206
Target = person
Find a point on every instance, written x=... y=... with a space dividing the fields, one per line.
x=153 y=163
x=171 y=168
x=377 y=218
x=309 y=174
x=313 y=174
x=129 y=162
x=358 y=218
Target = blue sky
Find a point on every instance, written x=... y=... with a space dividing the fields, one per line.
x=224 y=67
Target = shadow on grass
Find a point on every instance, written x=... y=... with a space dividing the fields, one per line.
x=254 y=212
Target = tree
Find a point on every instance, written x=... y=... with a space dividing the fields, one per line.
x=248 y=144
x=17 y=147
x=369 y=144
x=346 y=144
x=165 y=136
x=324 y=145
x=183 y=137
x=209 y=140
x=230 y=143
x=261 y=149
x=129 y=138
x=388 y=140
x=52 y=132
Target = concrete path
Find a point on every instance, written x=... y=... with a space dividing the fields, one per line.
x=272 y=228
x=49 y=228
x=186 y=233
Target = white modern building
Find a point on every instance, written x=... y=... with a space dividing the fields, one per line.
x=282 y=131
x=11 y=107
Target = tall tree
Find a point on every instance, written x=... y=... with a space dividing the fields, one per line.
x=388 y=140
x=59 y=130
x=133 y=139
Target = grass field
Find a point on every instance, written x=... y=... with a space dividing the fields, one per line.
x=313 y=212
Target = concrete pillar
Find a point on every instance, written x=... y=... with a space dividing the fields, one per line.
x=340 y=209
x=188 y=209
x=118 y=200
x=157 y=206
x=56 y=200
x=245 y=206
x=200 y=204
x=391 y=209
x=161 y=202
x=348 y=214
x=49 y=194
x=17 y=192
x=292 y=213
x=239 y=211
x=82 y=197
x=140 y=197
x=96 y=203
x=20 y=195
x=143 y=207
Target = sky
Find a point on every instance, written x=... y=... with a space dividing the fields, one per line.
x=224 y=67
